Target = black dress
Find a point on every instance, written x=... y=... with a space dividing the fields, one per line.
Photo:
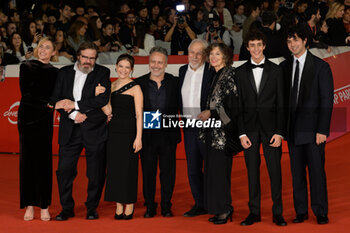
x=122 y=162
x=35 y=126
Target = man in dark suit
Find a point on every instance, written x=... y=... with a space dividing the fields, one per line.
x=261 y=121
x=309 y=95
x=195 y=80
x=82 y=125
x=160 y=91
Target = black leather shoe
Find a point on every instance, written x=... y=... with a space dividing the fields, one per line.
x=118 y=216
x=223 y=218
x=92 y=214
x=300 y=218
x=63 y=216
x=167 y=213
x=195 y=211
x=213 y=219
x=322 y=219
x=150 y=213
x=129 y=216
x=279 y=220
x=251 y=219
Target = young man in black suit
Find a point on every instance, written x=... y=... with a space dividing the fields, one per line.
x=261 y=121
x=309 y=95
x=160 y=91
x=195 y=81
x=82 y=125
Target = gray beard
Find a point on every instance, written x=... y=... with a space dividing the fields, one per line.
x=83 y=69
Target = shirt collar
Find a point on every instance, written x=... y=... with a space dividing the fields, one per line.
x=199 y=68
x=302 y=58
x=254 y=63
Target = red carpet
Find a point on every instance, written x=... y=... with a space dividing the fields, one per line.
x=338 y=173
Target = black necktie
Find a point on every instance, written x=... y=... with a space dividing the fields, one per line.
x=294 y=96
x=257 y=66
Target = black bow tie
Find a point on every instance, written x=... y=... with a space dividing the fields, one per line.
x=257 y=66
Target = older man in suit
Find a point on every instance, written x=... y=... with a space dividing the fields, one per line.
x=261 y=122
x=82 y=125
x=309 y=95
x=195 y=80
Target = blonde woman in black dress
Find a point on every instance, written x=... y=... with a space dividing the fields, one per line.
x=35 y=125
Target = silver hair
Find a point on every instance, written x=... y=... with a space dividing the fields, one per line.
x=203 y=42
x=159 y=49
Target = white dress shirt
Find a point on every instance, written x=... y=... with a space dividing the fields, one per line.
x=257 y=73
x=79 y=81
x=191 y=92
x=301 y=60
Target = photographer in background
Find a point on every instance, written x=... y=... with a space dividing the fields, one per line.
x=217 y=33
x=180 y=35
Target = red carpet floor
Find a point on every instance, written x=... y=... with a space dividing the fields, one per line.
x=338 y=179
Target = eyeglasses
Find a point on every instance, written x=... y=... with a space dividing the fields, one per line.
x=88 y=58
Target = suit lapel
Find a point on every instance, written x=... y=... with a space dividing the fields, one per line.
x=70 y=78
x=265 y=75
x=251 y=77
x=307 y=78
x=88 y=82
x=205 y=83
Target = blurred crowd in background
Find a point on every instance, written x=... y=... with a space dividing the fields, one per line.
x=136 y=26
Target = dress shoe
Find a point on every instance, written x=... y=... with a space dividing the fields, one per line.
x=63 y=216
x=251 y=219
x=92 y=214
x=300 y=218
x=167 y=213
x=195 y=211
x=279 y=220
x=322 y=219
x=129 y=216
x=222 y=218
x=212 y=219
x=150 y=213
x=118 y=216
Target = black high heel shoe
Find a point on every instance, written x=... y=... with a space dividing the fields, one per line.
x=222 y=218
x=128 y=217
x=214 y=218
x=118 y=216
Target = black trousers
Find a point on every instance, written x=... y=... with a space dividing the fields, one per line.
x=195 y=150
x=217 y=181
x=67 y=170
x=273 y=163
x=159 y=149
x=311 y=156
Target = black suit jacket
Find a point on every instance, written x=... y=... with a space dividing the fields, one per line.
x=263 y=109
x=315 y=101
x=94 y=128
x=206 y=83
x=171 y=107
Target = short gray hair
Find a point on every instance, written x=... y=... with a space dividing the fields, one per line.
x=198 y=40
x=159 y=49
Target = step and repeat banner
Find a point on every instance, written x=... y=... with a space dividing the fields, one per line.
x=339 y=60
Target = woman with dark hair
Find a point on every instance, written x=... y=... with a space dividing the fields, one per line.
x=29 y=34
x=94 y=30
x=154 y=13
x=35 y=116
x=76 y=34
x=124 y=142
x=221 y=142
x=62 y=45
x=16 y=49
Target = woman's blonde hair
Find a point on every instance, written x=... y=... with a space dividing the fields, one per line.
x=54 y=58
x=334 y=9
